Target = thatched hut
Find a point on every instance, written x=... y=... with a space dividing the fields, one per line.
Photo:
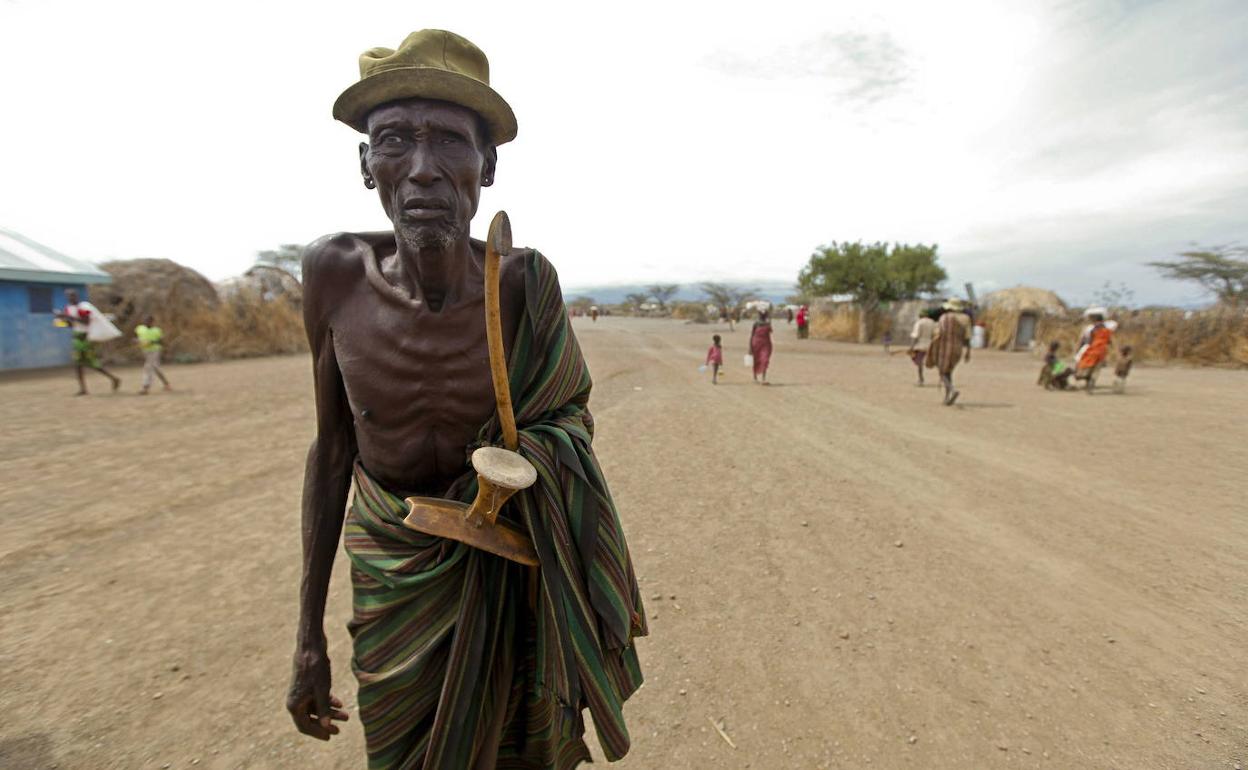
x=1011 y=317
x=266 y=282
x=173 y=294
x=158 y=287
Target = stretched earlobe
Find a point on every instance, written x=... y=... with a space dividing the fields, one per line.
x=369 y=182
x=488 y=166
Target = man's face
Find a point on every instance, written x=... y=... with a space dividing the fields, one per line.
x=429 y=161
x=71 y=297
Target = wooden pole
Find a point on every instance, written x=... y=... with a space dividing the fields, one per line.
x=497 y=243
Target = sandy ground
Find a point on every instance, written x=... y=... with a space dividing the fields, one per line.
x=838 y=570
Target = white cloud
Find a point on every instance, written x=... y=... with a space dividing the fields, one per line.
x=1035 y=142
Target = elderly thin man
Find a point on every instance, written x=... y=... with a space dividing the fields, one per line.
x=462 y=662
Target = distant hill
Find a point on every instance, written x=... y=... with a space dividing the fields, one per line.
x=613 y=294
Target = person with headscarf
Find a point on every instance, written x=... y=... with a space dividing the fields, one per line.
x=1094 y=345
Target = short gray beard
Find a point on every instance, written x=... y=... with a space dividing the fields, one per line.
x=429 y=237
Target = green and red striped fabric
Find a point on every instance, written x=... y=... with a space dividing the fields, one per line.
x=456 y=669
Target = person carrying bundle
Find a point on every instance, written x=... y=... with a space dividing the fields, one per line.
x=1094 y=346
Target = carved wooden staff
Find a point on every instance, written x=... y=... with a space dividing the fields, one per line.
x=500 y=472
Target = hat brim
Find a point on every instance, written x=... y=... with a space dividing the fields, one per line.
x=354 y=104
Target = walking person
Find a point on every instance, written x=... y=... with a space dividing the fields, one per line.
x=951 y=343
x=803 y=322
x=921 y=338
x=760 y=345
x=464 y=659
x=149 y=336
x=88 y=326
x=715 y=358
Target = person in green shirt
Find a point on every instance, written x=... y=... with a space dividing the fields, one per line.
x=149 y=336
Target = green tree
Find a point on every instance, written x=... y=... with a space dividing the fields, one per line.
x=1222 y=270
x=871 y=273
x=583 y=304
x=662 y=292
x=288 y=256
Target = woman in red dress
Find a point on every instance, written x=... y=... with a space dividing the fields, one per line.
x=760 y=345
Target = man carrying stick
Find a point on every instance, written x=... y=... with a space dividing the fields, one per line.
x=950 y=340
x=464 y=659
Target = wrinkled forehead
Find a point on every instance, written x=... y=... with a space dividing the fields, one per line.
x=425 y=113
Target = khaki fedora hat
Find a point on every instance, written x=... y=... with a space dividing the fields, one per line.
x=429 y=64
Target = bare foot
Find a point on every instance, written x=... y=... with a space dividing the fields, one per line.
x=81 y=393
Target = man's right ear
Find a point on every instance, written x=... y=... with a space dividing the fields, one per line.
x=369 y=182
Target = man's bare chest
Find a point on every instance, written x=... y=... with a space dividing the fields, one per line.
x=404 y=367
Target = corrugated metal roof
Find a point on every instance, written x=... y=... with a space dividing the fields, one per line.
x=21 y=259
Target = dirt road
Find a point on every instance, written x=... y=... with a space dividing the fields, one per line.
x=838 y=570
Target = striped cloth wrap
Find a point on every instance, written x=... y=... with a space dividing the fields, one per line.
x=457 y=666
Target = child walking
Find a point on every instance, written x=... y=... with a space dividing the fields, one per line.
x=149 y=336
x=715 y=359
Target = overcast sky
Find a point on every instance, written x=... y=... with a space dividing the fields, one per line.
x=1059 y=144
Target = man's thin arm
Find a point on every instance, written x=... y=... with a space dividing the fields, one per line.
x=326 y=480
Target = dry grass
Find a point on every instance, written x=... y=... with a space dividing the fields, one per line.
x=1021 y=298
x=242 y=326
x=1217 y=337
x=840 y=322
x=1208 y=338
x=690 y=311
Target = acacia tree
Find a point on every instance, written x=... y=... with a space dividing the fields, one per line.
x=1222 y=270
x=288 y=256
x=662 y=292
x=635 y=300
x=871 y=273
x=725 y=297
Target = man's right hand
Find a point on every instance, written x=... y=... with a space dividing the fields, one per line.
x=310 y=703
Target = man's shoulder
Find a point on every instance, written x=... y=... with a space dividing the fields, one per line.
x=339 y=253
x=523 y=264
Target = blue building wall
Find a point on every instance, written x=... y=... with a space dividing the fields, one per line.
x=29 y=340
